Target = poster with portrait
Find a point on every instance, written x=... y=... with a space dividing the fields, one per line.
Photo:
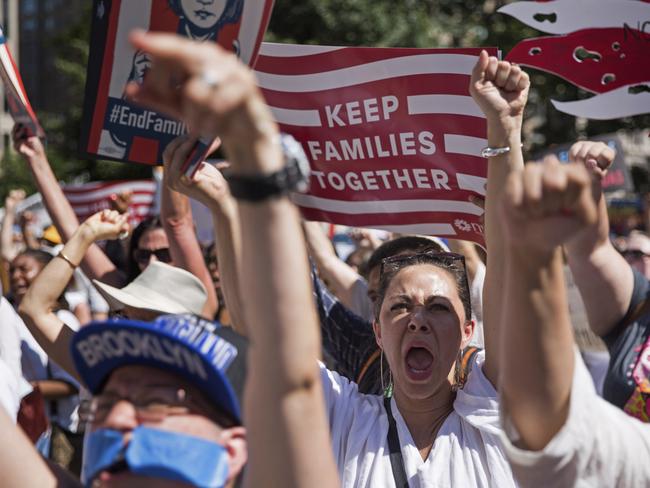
x=116 y=129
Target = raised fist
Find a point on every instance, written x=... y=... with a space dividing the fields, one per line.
x=547 y=203
x=107 y=224
x=500 y=89
x=597 y=157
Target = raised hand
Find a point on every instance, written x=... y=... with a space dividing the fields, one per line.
x=13 y=199
x=500 y=89
x=208 y=185
x=596 y=156
x=546 y=204
x=106 y=224
x=26 y=218
x=203 y=85
x=25 y=145
x=120 y=201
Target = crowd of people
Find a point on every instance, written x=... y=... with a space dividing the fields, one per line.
x=133 y=357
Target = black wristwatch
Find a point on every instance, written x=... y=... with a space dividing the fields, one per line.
x=294 y=177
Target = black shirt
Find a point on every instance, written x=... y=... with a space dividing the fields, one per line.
x=625 y=344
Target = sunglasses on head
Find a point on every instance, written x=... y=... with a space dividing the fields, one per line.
x=143 y=256
x=393 y=263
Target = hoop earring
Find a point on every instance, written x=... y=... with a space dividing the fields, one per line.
x=386 y=389
x=458 y=374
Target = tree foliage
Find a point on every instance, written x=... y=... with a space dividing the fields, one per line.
x=386 y=23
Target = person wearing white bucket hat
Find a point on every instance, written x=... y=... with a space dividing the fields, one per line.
x=160 y=289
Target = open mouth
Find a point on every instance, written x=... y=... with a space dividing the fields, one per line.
x=19 y=289
x=419 y=363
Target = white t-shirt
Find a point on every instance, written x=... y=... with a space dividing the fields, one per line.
x=10 y=324
x=466 y=452
x=599 y=445
x=12 y=389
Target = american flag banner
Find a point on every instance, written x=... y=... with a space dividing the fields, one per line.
x=393 y=135
x=17 y=101
x=89 y=198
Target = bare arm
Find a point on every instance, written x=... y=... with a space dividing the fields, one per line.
x=28 y=234
x=227 y=231
x=20 y=464
x=598 y=268
x=36 y=308
x=226 y=227
x=55 y=389
x=544 y=206
x=95 y=264
x=501 y=90
x=176 y=215
x=340 y=277
x=472 y=259
x=284 y=406
x=7 y=245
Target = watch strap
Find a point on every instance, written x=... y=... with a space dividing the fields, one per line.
x=256 y=188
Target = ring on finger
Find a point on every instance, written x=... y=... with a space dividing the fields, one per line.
x=211 y=78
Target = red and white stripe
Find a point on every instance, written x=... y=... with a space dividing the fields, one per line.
x=432 y=86
x=89 y=198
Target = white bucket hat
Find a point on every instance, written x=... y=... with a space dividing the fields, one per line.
x=159 y=288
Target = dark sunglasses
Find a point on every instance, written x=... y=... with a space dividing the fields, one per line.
x=143 y=256
x=445 y=260
x=634 y=254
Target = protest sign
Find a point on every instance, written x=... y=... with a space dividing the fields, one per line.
x=618 y=177
x=603 y=48
x=17 y=101
x=393 y=135
x=113 y=127
x=89 y=198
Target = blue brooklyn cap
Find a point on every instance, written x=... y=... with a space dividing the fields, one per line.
x=211 y=357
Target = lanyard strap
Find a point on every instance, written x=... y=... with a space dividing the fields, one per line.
x=394 y=449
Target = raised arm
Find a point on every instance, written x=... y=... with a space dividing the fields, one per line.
x=598 y=268
x=176 y=216
x=20 y=463
x=95 y=264
x=36 y=308
x=284 y=407
x=501 y=90
x=544 y=206
x=212 y=190
x=340 y=277
x=7 y=246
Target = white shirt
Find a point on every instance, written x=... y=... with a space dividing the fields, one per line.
x=10 y=324
x=12 y=389
x=466 y=452
x=599 y=445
